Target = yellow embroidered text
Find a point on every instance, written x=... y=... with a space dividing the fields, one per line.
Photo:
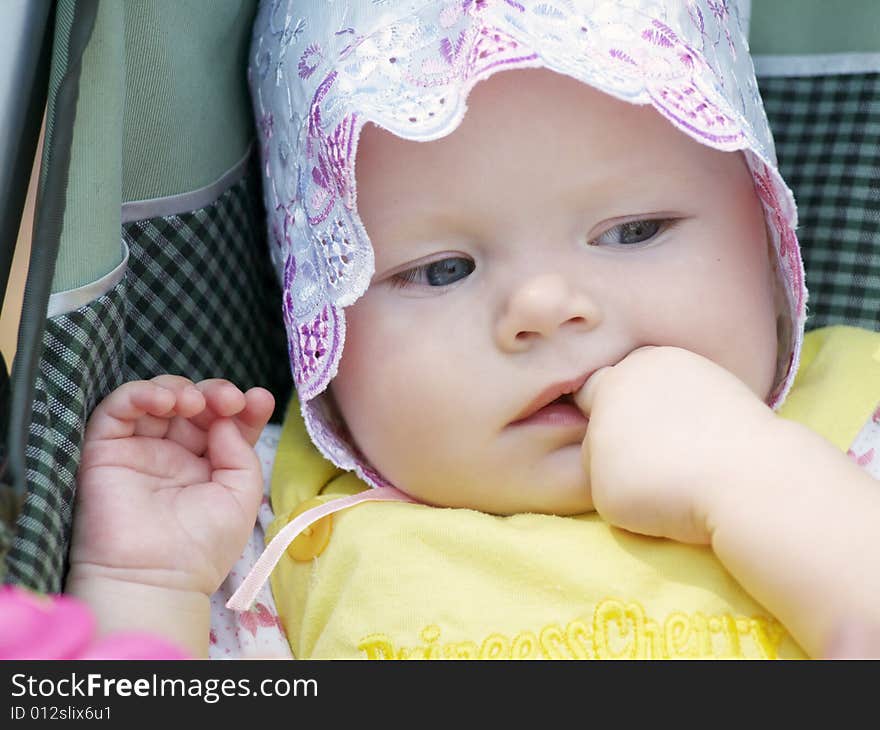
x=617 y=630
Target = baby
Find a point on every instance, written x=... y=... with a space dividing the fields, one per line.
x=565 y=315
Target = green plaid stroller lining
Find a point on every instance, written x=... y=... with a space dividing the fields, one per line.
x=198 y=298
x=827 y=132
x=203 y=298
x=81 y=363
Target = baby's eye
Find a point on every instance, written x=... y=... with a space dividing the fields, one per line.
x=437 y=273
x=631 y=232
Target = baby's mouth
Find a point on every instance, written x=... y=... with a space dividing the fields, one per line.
x=561 y=412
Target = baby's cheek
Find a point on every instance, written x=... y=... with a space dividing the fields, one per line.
x=428 y=405
x=410 y=399
x=390 y=409
x=427 y=440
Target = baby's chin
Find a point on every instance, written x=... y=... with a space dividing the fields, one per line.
x=557 y=486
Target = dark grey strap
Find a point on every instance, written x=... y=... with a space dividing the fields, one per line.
x=61 y=113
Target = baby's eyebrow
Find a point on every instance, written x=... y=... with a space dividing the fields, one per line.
x=435 y=214
x=408 y=228
x=396 y=248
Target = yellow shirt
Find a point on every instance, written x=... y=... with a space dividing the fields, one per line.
x=397 y=580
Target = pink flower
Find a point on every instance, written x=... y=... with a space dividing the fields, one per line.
x=863 y=459
x=259 y=616
x=34 y=626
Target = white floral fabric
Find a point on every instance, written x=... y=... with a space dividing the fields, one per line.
x=257 y=633
x=865 y=450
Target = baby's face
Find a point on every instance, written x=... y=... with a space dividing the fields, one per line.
x=553 y=233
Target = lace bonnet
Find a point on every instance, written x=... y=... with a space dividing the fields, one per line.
x=320 y=70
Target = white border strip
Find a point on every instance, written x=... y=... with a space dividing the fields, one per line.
x=138 y=210
x=72 y=299
x=818 y=64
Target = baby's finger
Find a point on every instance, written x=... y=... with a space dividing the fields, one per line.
x=222 y=399
x=585 y=397
x=585 y=457
x=260 y=404
x=234 y=462
x=116 y=416
x=189 y=400
x=184 y=432
x=152 y=426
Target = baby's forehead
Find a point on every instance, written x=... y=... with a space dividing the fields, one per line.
x=534 y=131
x=544 y=109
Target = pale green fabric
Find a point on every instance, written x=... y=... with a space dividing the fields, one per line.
x=188 y=113
x=795 y=27
x=90 y=239
x=64 y=12
x=163 y=110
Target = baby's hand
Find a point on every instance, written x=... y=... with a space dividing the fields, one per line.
x=169 y=484
x=670 y=432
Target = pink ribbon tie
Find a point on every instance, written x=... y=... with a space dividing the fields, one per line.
x=244 y=596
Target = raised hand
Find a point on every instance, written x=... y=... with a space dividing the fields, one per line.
x=678 y=447
x=169 y=484
x=667 y=428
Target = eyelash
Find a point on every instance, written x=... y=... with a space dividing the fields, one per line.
x=414 y=275
x=663 y=224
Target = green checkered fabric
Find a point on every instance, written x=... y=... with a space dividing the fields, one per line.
x=827 y=132
x=81 y=363
x=204 y=301
x=199 y=299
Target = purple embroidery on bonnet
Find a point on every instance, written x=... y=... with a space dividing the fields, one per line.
x=314 y=351
x=311 y=351
x=310 y=60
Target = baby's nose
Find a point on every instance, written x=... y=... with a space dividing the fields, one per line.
x=541 y=307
